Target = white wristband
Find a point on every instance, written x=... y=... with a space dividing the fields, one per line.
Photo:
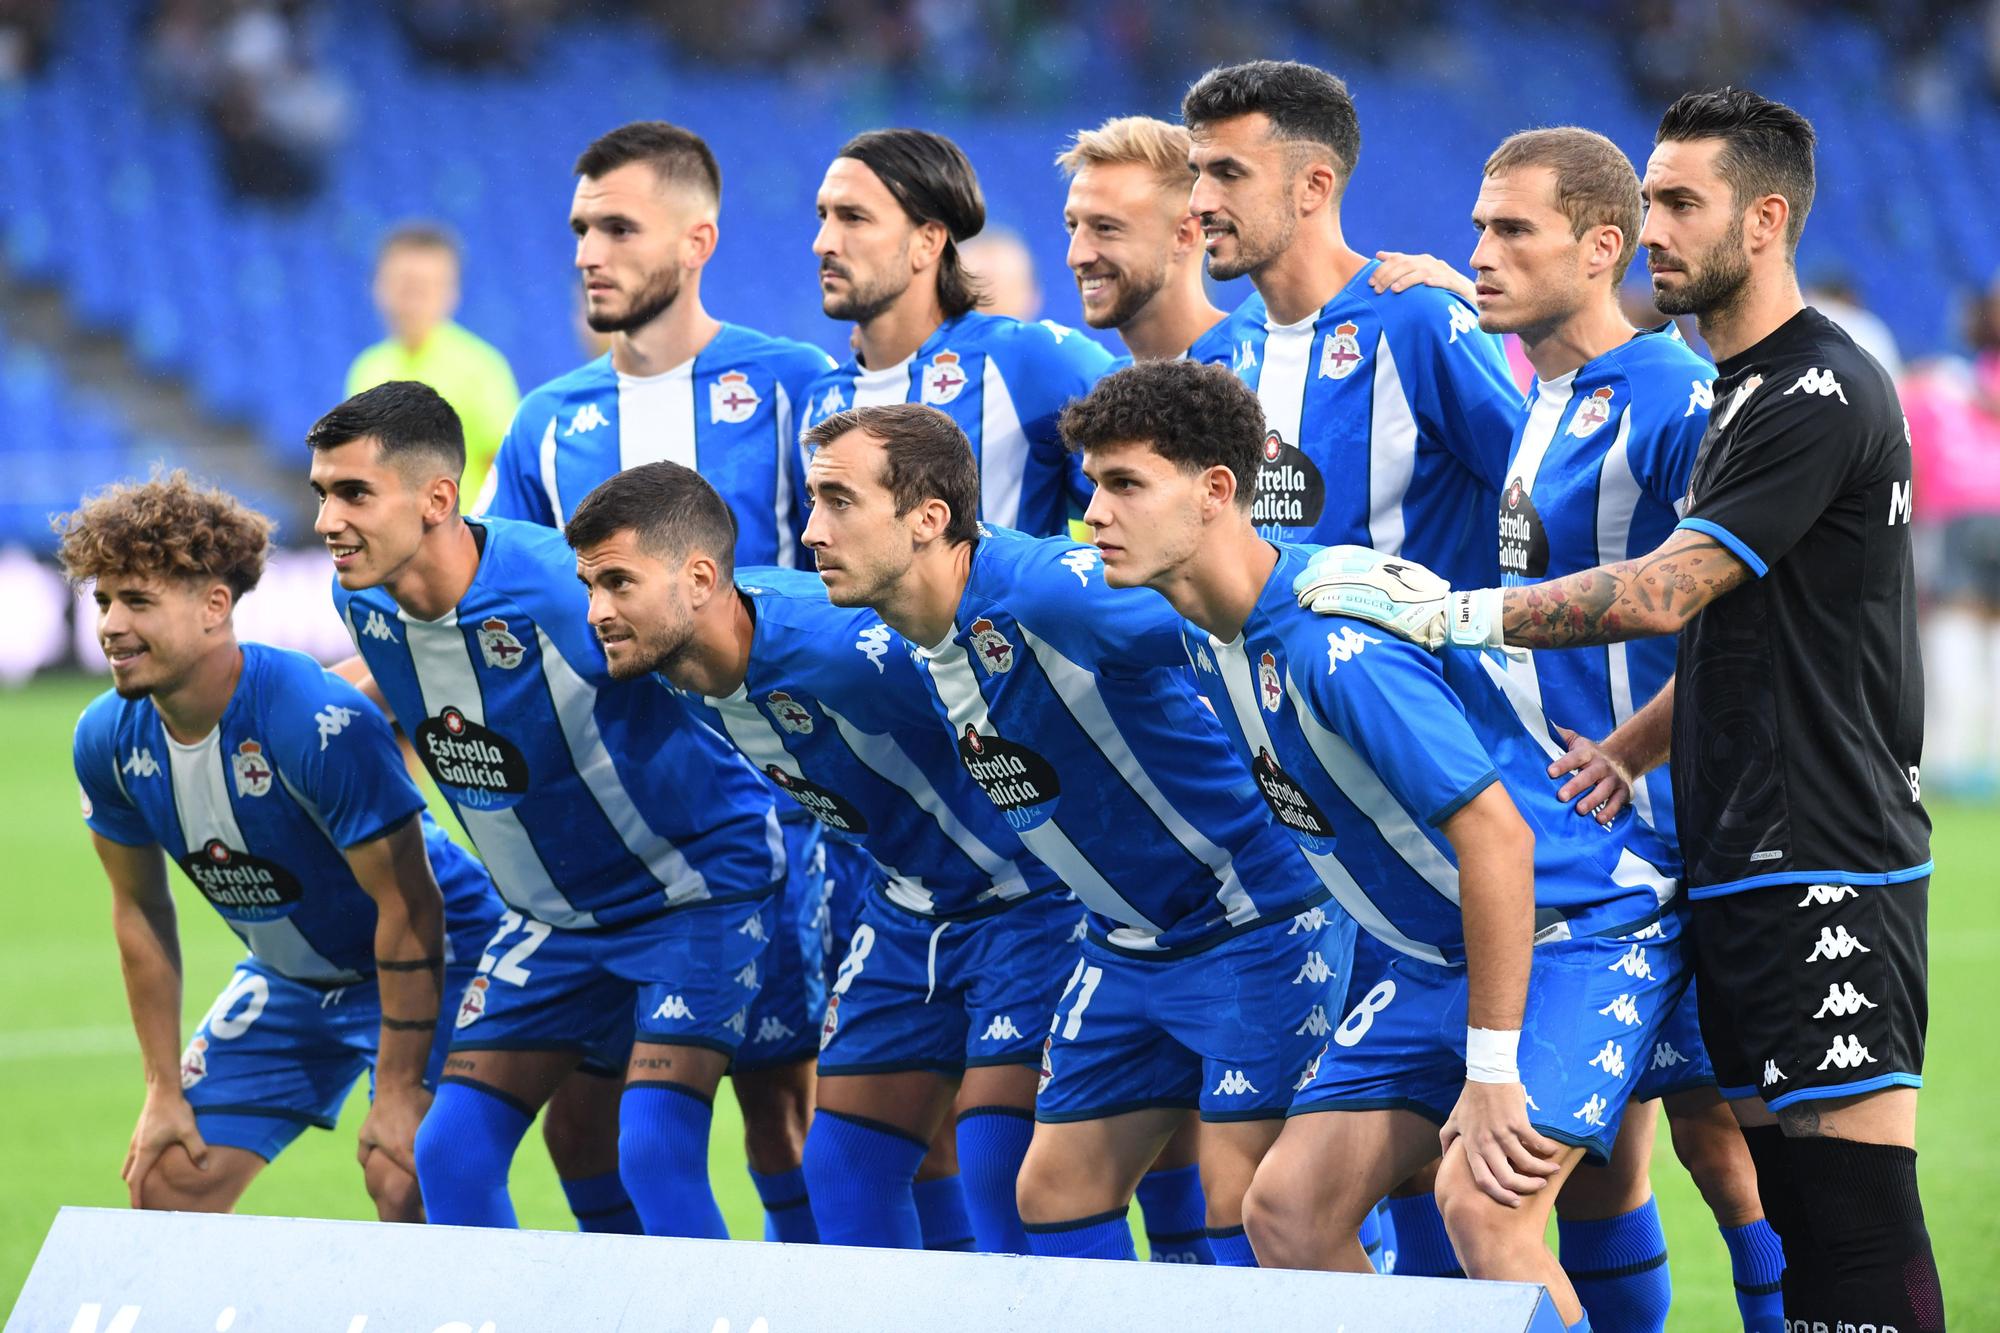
x=1491 y=1056
x=1475 y=619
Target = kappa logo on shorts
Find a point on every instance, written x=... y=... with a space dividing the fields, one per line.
x=194 y=1063
x=1771 y=1074
x=1611 y=1059
x=771 y=1029
x=1592 y=1112
x=1316 y=1024
x=1001 y=1029
x=1079 y=930
x=1624 y=1009
x=1311 y=919
x=1843 y=1000
x=1826 y=895
x=754 y=927
x=1233 y=1083
x=1666 y=1057
x=1633 y=964
x=1835 y=943
x=832 y=1021
x=473 y=1003
x=746 y=976
x=1847 y=1053
x=674 y=1007
x=1314 y=970
x=738 y=1022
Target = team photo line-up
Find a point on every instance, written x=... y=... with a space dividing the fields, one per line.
x=1403 y=777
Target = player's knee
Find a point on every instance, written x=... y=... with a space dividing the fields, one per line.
x=177 y=1185
x=1043 y=1192
x=394 y=1190
x=581 y=1130
x=1720 y=1166
x=1492 y=1240
x=777 y=1109
x=1273 y=1213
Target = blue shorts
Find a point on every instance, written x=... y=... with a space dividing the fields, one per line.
x=783 y=1026
x=274 y=1055
x=686 y=977
x=917 y=993
x=1230 y=1029
x=851 y=877
x=1678 y=1060
x=1595 y=1006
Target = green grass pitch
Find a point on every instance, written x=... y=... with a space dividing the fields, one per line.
x=69 y=1082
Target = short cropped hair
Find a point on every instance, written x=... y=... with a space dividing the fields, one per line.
x=933 y=181
x=167 y=527
x=1194 y=415
x=1303 y=103
x=1767 y=148
x=419 y=236
x=929 y=458
x=1159 y=146
x=407 y=419
x=674 y=154
x=670 y=509
x=1595 y=183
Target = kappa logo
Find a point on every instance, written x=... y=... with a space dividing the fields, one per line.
x=1666 y=1057
x=835 y=401
x=1001 y=1029
x=1202 y=661
x=1624 y=1009
x=1771 y=1074
x=1818 y=381
x=1835 y=943
x=738 y=1022
x=1309 y=920
x=746 y=976
x=673 y=1007
x=1701 y=397
x=1633 y=964
x=991 y=648
x=141 y=764
x=1232 y=1084
x=1245 y=358
x=1313 y=970
x=1591 y=413
x=943 y=379
x=1080 y=562
x=376 y=626
x=1340 y=354
x=1843 y=1000
x=473 y=1003
x=754 y=927
x=194 y=1063
x=1592 y=1112
x=332 y=720
x=1531 y=1100
x=1061 y=331
x=1611 y=1059
x=792 y=715
x=587 y=419
x=1826 y=895
x=1270 y=691
x=498 y=645
x=1463 y=320
x=772 y=1029
x=253 y=775
x=874 y=645
x=1846 y=1053
x=1344 y=645
x=1316 y=1024
x=732 y=398
x=1079 y=930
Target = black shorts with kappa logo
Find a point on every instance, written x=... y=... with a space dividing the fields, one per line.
x=1813 y=991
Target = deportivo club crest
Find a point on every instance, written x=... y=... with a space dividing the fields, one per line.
x=253 y=775
x=792 y=715
x=944 y=379
x=1268 y=687
x=474 y=1002
x=1340 y=354
x=832 y=1022
x=731 y=398
x=194 y=1063
x=1591 y=413
x=499 y=647
x=990 y=646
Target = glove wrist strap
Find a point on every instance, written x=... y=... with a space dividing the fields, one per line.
x=1475 y=619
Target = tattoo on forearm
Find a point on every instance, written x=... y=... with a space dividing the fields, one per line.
x=1632 y=599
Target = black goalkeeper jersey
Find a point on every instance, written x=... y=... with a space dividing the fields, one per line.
x=1798 y=707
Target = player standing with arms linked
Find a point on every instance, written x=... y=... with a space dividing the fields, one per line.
x=1794 y=726
x=279 y=791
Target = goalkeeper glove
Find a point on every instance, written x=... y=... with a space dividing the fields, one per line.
x=1401 y=596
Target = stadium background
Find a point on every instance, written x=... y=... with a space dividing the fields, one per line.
x=194 y=190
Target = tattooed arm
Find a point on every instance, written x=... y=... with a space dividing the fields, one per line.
x=1655 y=594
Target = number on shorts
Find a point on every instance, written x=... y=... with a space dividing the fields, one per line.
x=1091 y=977
x=1362 y=1017
x=508 y=968
x=858 y=950
x=220 y=1023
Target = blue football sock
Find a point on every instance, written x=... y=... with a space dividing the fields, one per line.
x=1105 y=1236
x=1385 y=1221
x=1757 y=1262
x=663 y=1159
x=1231 y=1247
x=1619 y=1268
x=992 y=1140
x=1371 y=1238
x=1582 y=1324
x=464 y=1149
x=859 y=1174
x=942 y=1215
x=787 y=1211
x=1176 y=1216
x=601 y=1205
x=1423 y=1247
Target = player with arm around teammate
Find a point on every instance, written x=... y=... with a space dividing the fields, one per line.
x=1422 y=804
x=280 y=793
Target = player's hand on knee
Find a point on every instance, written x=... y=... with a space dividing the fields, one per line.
x=1507 y=1159
x=1603 y=783
x=390 y=1127
x=165 y=1122
x=1400 y=595
x=1399 y=272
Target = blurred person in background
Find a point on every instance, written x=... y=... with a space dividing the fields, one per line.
x=416 y=289
x=998 y=260
x=1834 y=295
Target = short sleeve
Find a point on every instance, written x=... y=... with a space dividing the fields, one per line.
x=336 y=749
x=1388 y=700
x=106 y=809
x=1661 y=448
x=1109 y=630
x=1456 y=377
x=1791 y=453
x=513 y=487
x=1061 y=364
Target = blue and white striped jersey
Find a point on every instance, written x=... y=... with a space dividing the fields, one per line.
x=593 y=802
x=258 y=811
x=730 y=413
x=1363 y=744
x=1073 y=708
x=1599 y=467
x=1005 y=382
x=834 y=712
x=1387 y=423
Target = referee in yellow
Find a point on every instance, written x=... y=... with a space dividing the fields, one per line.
x=416 y=289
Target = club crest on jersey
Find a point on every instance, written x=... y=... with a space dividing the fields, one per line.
x=194 y=1063
x=1269 y=690
x=253 y=774
x=498 y=645
x=1591 y=413
x=473 y=1004
x=732 y=398
x=990 y=646
x=1340 y=354
x=944 y=379
x=792 y=715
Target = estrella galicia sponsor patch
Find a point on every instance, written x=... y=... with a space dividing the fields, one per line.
x=829 y=807
x=1524 y=543
x=1295 y=811
x=473 y=765
x=1291 y=493
x=241 y=886
x=1019 y=782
